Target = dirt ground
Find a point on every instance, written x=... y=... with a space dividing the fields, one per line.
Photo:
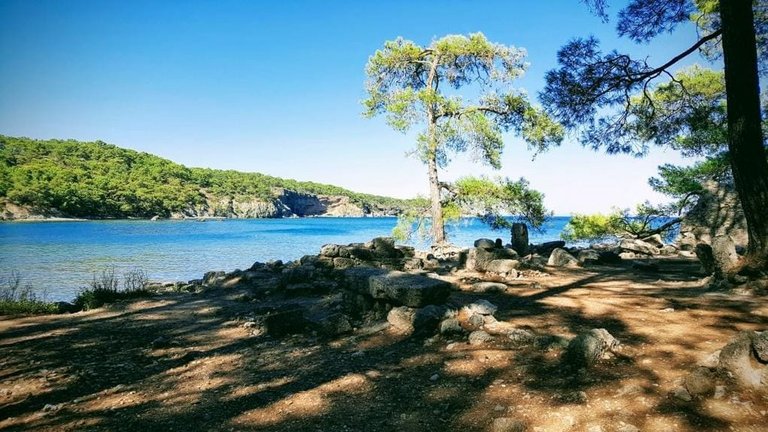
x=186 y=362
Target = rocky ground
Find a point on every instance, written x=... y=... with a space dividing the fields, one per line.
x=209 y=360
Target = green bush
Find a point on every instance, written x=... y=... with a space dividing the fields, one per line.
x=16 y=299
x=104 y=289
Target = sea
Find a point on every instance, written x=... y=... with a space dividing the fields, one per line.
x=57 y=259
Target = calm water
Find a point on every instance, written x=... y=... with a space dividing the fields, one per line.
x=57 y=258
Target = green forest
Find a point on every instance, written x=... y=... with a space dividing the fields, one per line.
x=100 y=180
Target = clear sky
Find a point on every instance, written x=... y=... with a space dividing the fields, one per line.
x=275 y=86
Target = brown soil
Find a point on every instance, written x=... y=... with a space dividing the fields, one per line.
x=100 y=370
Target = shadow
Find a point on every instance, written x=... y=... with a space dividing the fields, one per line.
x=182 y=362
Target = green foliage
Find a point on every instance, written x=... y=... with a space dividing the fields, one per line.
x=646 y=220
x=593 y=227
x=499 y=202
x=16 y=299
x=431 y=86
x=105 y=288
x=98 y=180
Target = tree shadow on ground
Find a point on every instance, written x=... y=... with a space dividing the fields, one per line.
x=107 y=371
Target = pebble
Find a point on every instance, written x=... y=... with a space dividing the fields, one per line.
x=682 y=394
x=434 y=377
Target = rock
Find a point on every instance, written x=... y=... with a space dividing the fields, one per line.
x=340 y=263
x=520 y=238
x=284 y=321
x=587 y=348
x=717 y=212
x=521 y=336
x=737 y=359
x=547 y=247
x=700 y=382
x=682 y=394
x=710 y=361
x=213 y=277
x=760 y=345
x=330 y=250
x=397 y=287
x=506 y=424
x=486 y=244
x=655 y=240
x=639 y=247
x=482 y=307
x=333 y=325
x=534 y=261
x=479 y=337
x=719 y=392
x=412 y=320
x=450 y=326
x=489 y=287
x=428 y=318
x=669 y=250
x=402 y=318
x=561 y=258
x=434 y=377
x=503 y=266
x=588 y=256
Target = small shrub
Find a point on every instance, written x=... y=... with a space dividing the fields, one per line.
x=104 y=289
x=18 y=299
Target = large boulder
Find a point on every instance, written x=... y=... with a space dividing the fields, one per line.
x=639 y=247
x=717 y=212
x=420 y=321
x=397 y=287
x=561 y=258
x=743 y=357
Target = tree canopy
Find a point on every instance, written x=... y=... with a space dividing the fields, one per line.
x=413 y=85
x=606 y=96
x=95 y=179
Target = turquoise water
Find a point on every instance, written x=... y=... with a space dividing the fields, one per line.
x=57 y=258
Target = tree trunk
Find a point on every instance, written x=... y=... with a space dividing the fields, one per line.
x=745 y=140
x=438 y=225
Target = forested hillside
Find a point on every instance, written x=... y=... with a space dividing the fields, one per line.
x=99 y=180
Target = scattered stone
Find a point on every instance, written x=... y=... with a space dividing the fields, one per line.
x=587 y=348
x=561 y=258
x=700 y=382
x=450 y=326
x=681 y=393
x=434 y=377
x=489 y=287
x=479 y=337
x=710 y=361
x=482 y=307
x=654 y=240
x=506 y=424
x=521 y=336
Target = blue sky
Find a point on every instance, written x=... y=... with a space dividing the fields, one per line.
x=275 y=87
